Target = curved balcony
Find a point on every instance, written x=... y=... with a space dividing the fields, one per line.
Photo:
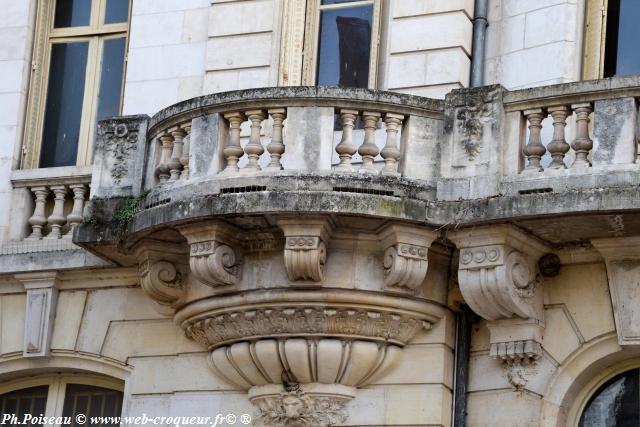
x=304 y=235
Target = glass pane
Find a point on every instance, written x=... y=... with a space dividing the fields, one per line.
x=323 y=2
x=26 y=401
x=345 y=47
x=111 y=71
x=72 y=13
x=616 y=404
x=63 y=111
x=628 y=38
x=91 y=401
x=117 y=11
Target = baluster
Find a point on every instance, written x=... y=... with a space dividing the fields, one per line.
x=346 y=149
x=38 y=219
x=184 y=159
x=558 y=146
x=233 y=151
x=75 y=217
x=276 y=146
x=391 y=153
x=57 y=219
x=369 y=150
x=254 y=148
x=175 y=167
x=534 y=150
x=582 y=144
x=162 y=171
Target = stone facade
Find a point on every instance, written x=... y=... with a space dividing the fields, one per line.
x=305 y=255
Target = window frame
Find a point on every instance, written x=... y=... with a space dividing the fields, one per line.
x=57 y=388
x=45 y=36
x=299 y=49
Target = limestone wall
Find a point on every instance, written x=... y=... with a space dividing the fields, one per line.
x=17 y=27
x=534 y=43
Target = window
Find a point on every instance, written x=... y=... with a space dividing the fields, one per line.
x=615 y=404
x=611 y=38
x=330 y=43
x=60 y=396
x=77 y=78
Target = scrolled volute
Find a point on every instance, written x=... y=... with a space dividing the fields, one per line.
x=161 y=281
x=215 y=264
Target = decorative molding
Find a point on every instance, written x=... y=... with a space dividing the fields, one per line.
x=301 y=405
x=161 y=268
x=293 y=28
x=405 y=256
x=214 y=257
x=305 y=250
x=119 y=139
x=319 y=320
x=40 y=311
x=622 y=259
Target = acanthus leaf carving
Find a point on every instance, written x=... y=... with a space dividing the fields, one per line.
x=305 y=251
x=405 y=257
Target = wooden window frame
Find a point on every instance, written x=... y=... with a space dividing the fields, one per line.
x=594 y=39
x=299 y=49
x=57 y=388
x=45 y=36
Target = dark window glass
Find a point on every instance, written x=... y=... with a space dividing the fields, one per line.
x=345 y=47
x=63 y=110
x=31 y=401
x=615 y=404
x=93 y=402
x=117 y=11
x=622 y=55
x=323 y=2
x=111 y=71
x=72 y=13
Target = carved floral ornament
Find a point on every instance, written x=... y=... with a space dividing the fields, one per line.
x=120 y=139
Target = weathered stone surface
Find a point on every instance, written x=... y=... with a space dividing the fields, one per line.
x=614 y=137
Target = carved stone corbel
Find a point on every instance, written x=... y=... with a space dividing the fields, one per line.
x=161 y=271
x=305 y=250
x=405 y=256
x=499 y=280
x=214 y=258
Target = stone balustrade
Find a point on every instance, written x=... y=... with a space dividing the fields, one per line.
x=47 y=206
x=273 y=129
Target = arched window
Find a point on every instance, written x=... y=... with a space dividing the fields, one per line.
x=616 y=403
x=36 y=401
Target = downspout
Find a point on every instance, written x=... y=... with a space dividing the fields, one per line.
x=461 y=365
x=480 y=24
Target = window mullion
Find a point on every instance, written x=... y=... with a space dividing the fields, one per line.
x=89 y=101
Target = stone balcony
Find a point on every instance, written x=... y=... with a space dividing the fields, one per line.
x=305 y=235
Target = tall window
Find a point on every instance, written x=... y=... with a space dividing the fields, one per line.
x=64 y=396
x=615 y=404
x=77 y=78
x=612 y=38
x=330 y=43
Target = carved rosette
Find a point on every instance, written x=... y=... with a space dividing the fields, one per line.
x=405 y=256
x=119 y=140
x=305 y=250
x=214 y=256
x=499 y=280
x=159 y=270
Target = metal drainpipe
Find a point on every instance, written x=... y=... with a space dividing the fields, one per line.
x=480 y=24
x=461 y=365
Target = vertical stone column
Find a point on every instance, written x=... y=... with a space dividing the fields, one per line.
x=38 y=220
x=558 y=147
x=233 y=151
x=346 y=148
x=369 y=150
x=57 y=219
x=75 y=217
x=391 y=152
x=534 y=150
x=276 y=147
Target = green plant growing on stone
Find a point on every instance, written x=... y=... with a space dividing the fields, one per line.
x=125 y=213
